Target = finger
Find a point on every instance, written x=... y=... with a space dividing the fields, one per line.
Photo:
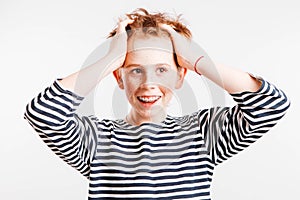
x=168 y=28
x=126 y=21
x=175 y=36
x=123 y=22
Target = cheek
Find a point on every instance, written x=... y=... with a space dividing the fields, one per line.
x=131 y=85
x=168 y=95
x=168 y=82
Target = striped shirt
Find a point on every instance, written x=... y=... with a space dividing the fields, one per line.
x=174 y=159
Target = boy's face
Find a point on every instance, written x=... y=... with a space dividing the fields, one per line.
x=149 y=74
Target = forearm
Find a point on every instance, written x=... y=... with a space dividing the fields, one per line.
x=83 y=81
x=231 y=79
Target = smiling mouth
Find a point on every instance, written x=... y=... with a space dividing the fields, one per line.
x=148 y=99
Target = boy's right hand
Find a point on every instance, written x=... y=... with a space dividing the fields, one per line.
x=118 y=45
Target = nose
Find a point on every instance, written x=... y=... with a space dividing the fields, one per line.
x=150 y=80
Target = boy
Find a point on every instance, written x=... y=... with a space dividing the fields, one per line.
x=150 y=154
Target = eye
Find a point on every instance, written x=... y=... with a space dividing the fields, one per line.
x=136 y=71
x=162 y=69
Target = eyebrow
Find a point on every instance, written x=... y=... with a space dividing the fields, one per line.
x=163 y=64
x=132 y=65
x=139 y=65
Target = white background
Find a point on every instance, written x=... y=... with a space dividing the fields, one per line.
x=43 y=40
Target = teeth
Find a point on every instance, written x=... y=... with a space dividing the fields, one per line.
x=149 y=99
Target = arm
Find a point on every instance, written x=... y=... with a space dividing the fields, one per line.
x=230 y=79
x=52 y=112
x=83 y=81
x=188 y=53
x=52 y=115
x=260 y=105
x=227 y=131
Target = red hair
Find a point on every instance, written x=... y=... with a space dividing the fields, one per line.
x=149 y=23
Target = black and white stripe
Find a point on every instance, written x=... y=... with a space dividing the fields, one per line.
x=174 y=159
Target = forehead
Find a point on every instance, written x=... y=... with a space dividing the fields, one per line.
x=141 y=42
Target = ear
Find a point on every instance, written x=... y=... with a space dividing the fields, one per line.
x=181 y=74
x=117 y=75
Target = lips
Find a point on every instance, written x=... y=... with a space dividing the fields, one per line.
x=148 y=99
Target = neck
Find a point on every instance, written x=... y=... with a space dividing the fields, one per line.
x=136 y=119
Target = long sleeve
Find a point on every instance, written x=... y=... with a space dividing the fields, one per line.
x=227 y=131
x=72 y=138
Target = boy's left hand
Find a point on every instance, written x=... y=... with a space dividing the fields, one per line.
x=186 y=50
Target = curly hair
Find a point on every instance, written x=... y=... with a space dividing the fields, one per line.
x=149 y=23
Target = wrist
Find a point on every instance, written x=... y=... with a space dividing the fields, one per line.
x=196 y=64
